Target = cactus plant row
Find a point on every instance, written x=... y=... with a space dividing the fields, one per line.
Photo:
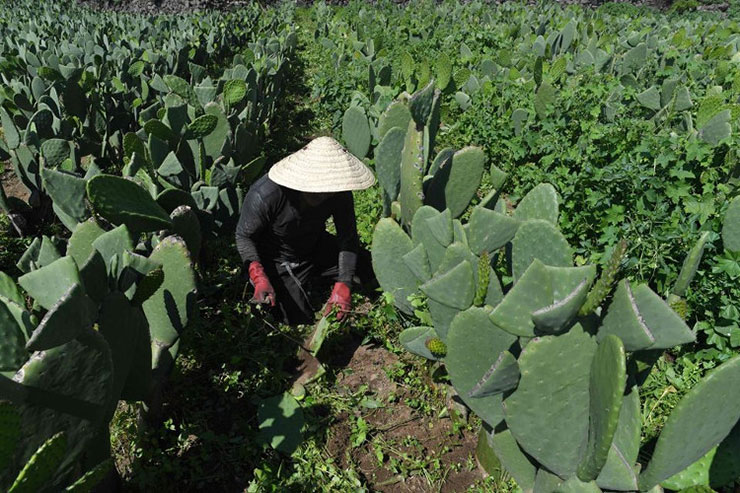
x=551 y=366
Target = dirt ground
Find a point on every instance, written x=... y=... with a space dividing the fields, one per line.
x=397 y=429
x=13 y=186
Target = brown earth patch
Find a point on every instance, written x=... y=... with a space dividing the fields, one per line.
x=405 y=451
x=13 y=186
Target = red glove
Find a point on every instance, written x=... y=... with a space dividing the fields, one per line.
x=263 y=290
x=341 y=298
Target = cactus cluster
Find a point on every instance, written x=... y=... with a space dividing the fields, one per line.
x=409 y=174
x=553 y=373
x=100 y=318
x=68 y=112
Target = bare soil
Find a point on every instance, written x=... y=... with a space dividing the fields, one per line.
x=13 y=186
x=398 y=429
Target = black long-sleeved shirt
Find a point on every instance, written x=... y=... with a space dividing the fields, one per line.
x=276 y=226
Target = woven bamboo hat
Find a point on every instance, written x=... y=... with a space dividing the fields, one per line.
x=323 y=165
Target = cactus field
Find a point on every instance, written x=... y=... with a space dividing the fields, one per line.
x=555 y=233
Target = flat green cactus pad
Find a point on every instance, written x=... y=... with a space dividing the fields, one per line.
x=280 y=423
x=546 y=482
x=731 y=226
x=607 y=381
x=388 y=161
x=80 y=369
x=48 y=284
x=454 y=185
x=455 y=288
x=540 y=203
x=487 y=230
x=356 y=131
x=441 y=227
x=514 y=461
x=503 y=375
x=553 y=318
x=80 y=243
x=575 y=485
x=421 y=233
x=619 y=471
x=13 y=348
x=396 y=115
x=643 y=320
x=169 y=308
x=700 y=421
x=40 y=468
x=9 y=289
x=411 y=194
x=531 y=293
x=539 y=239
x=548 y=413
x=414 y=340
x=10 y=432
x=71 y=315
x=390 y=244
x=418 y=262
x=473 y=345
x=122 y=201
x=67 y=191
x=91 y=478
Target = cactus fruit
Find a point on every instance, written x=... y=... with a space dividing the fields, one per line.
x=680 y=306
x=436 y=347
x=604 y=285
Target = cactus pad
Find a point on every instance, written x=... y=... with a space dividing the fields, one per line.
x=356 y=131
x=553 y=318
x=619 y=471
x=235 y=91
x=473 y=345
x=420 y=104
x=487 y=230
x=48 y=284
x=421 y=233
x=539 y=203
x=10 y=431
x=414 y=339
x=412 y=170
x=548 y=412
x=643 y=321
x=202 y=126
x=80 y=243
x=513 y=459
x=697 y=424
x=574 y=485
x=396 y=115
x=388 y=161
x=539 y=239
x=9 y=289
x=502 y=376
x=731 y=226
x=546 y=482
x=607 y=381
x=67 y=191
x=40 y=468
x=389 y=246
x=690 y=265
x=91 y=478
x=455 y=288
x=169 y=308
x=532 y=292
x=455 y=184
x=12 y=350
x=418 y=263
x=122 y=201
x=73 y=314
x=186 y=225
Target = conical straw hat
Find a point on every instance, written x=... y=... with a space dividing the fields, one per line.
x=323 y=165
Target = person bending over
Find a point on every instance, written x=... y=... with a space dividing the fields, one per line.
x=281 y=235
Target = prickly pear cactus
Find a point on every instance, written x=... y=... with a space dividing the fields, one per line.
x=546 y=365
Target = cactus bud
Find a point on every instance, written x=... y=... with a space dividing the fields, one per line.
x=436 y=347
x=484 y=272
x=606 y=281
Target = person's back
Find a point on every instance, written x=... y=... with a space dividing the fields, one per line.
x=281 y=235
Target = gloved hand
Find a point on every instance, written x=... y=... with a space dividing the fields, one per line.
x=263 y=290
x=341 y=298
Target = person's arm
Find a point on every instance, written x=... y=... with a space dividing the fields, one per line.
x=253 y=220
x=347 y=238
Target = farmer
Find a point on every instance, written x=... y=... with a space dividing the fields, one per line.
x=282 y=237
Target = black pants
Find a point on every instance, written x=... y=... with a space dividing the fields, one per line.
x=302 y=288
